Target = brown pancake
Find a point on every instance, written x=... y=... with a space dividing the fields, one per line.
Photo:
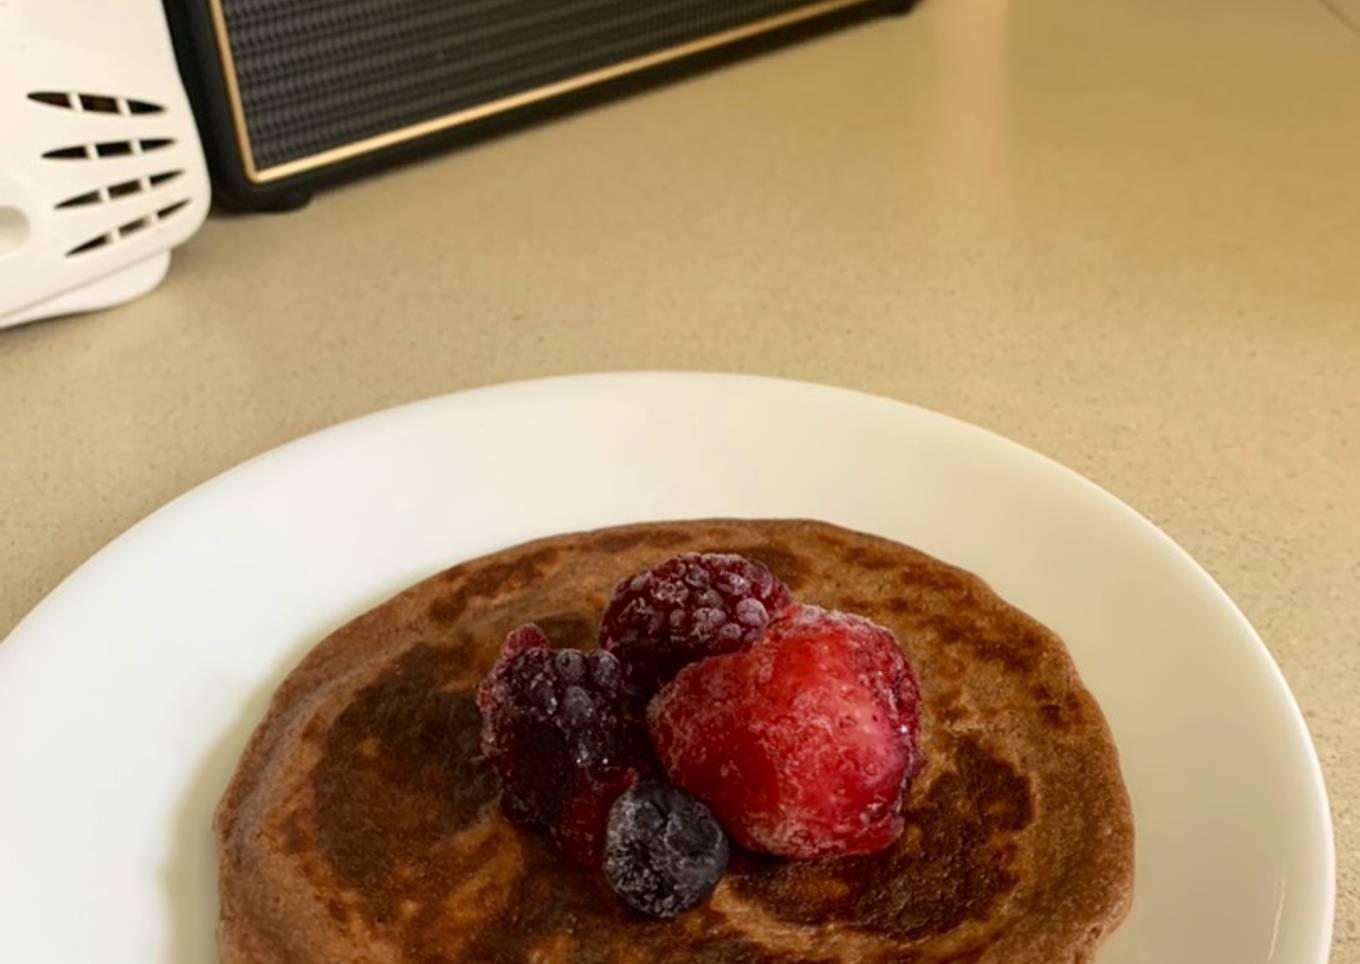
x=361 y=826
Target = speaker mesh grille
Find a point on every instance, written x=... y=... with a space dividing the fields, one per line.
x=318 y=74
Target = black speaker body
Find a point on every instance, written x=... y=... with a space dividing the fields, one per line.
x=290 y=94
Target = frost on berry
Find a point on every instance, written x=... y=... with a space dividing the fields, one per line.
x=557 y=731
x=801 y=743
x=664 y=852
x=689 y=607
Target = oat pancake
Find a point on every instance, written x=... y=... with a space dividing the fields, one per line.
x=361 y=826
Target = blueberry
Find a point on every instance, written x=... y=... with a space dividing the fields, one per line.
x=664 y=851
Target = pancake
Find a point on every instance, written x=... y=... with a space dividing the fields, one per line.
x=361 y=827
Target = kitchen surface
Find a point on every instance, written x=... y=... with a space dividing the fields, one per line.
x=1125 y=234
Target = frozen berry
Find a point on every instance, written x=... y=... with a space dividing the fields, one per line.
x=685 y=609
x=556 y=730
x=663 y=851
x=801 y=743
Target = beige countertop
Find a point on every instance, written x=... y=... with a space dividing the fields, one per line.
x=1125 y=234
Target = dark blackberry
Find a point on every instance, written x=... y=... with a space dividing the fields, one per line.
x=557 y=731
x=685 y=609
x=664 y=851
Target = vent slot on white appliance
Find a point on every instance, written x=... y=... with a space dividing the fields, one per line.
x=82 y=200
x=104 y=149
x=128 y=228
x=94 y=103
x=122 y=189
x=90 y=245
x=68 y=153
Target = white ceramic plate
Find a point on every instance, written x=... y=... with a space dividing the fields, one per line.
x=126 y=696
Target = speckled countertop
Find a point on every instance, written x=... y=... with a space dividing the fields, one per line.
x=1128 y=237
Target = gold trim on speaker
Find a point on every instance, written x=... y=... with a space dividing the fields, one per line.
x=490 y=108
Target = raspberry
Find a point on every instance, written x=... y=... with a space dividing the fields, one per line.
x=685 y=609
x=801 y=743
x=557 y=731
x=663 y=852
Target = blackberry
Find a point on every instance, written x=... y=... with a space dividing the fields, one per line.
x=689 y=607
x=558 y=732
x=664 y=851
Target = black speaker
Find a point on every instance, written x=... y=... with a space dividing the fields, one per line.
x=292 y=93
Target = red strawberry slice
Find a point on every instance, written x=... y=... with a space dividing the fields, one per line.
x=801 y=743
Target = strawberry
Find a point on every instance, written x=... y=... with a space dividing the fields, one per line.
x=803 y=742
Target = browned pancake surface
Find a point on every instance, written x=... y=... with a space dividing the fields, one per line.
x=361 y=827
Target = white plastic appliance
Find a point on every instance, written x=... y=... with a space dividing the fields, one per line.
x=101 y=171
